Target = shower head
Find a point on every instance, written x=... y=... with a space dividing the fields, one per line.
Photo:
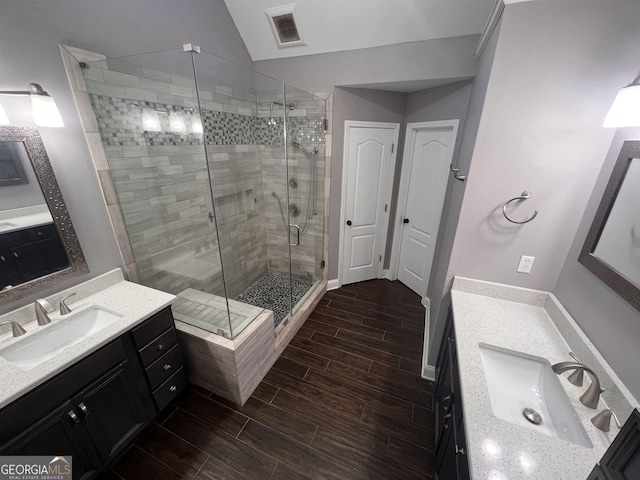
x=274 y=194
x=304 y=150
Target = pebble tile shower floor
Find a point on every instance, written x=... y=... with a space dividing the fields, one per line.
x=344 y=401
x=271 y=291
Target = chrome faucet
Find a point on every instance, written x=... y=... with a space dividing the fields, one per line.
x=589 y=398
x=16 y=328
x=64 y=309
x=43 y=309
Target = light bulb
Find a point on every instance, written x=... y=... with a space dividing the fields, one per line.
x=4 y=120
x=625 y=111
x=45 y=111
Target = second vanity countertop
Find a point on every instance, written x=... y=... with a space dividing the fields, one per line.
x=134 y=302
x=534 y=323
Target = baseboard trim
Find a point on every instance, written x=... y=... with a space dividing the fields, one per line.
x=385 y=274
x=333 y=284
x=429 y=373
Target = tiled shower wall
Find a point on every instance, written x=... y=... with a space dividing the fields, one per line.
x=305 y=126
x=161 y=181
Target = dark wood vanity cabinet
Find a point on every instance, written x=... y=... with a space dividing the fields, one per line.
x=96 y=407
x=621 y=461
x=451 y=448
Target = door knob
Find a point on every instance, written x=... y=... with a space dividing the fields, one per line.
x=349 y=222
x=406 y=220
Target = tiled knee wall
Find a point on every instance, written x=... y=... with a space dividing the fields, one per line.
x=161 y=180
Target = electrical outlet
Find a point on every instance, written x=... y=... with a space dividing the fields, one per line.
x=526 y=264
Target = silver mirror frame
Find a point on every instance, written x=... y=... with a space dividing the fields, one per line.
x=619 y=284
x=32 y=141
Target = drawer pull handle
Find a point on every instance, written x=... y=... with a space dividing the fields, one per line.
x=444 y=419
x=74 y=417
x=459 y=451
x=160 y=347
x=173 y=388
x=166 y=367
x=84 y=409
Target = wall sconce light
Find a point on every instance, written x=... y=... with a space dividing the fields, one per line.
x=625 y=111
x=45 y=111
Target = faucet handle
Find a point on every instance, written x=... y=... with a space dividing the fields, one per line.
x=64 y=309
x=603 y=419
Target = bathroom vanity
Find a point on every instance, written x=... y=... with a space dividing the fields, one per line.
x=91 y=399
x=495 y=336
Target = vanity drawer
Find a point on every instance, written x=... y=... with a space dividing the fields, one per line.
x=170 y=389
x=164 y=367
x=158 y=347
x=150 y=329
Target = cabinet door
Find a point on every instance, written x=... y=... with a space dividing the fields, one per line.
x=446 y=468
x=461 y=450
x=444 y=386
x=111 y=411
x=58 y=434
x=622 y=460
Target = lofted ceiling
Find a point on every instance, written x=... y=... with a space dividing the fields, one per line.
x=338 y=25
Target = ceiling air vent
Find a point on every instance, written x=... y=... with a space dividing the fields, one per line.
x=283 y=24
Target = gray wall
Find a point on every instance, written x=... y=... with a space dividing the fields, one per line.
x=541 y=130
x=446 y=102
x=29 y=39
x=445 y=58
x=440 y=281
x=363 y=105
x=609 y=322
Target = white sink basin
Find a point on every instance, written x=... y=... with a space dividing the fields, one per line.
x=517 y=381
x=56 y=337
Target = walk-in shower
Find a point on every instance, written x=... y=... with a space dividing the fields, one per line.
x=207 y=161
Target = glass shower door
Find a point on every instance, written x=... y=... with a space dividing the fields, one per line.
x=150 y=126
x=305 y=150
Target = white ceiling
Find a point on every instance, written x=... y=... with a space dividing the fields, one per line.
x=337 y=25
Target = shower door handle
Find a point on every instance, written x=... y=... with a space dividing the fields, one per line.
x=297 y=235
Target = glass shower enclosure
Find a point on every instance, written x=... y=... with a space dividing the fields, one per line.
x=218 y=172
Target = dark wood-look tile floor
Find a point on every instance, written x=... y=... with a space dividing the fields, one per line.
x=344 y=401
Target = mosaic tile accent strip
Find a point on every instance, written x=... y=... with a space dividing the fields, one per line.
x=272 y=292
x=120 y=122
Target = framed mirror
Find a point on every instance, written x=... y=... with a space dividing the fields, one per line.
x=38 y=244
x=611 y=250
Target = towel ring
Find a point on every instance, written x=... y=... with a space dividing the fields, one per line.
x=523 y=196
x=456 y=175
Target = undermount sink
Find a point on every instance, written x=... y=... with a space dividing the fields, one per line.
x=519 y=384
x=56 y=337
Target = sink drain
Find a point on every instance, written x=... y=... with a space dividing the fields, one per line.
x=532 y=416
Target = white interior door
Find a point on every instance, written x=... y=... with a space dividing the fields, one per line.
x=425 y=172
x=368 y=178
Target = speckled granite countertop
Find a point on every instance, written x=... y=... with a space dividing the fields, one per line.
x=134 y=302
x=534 y=323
